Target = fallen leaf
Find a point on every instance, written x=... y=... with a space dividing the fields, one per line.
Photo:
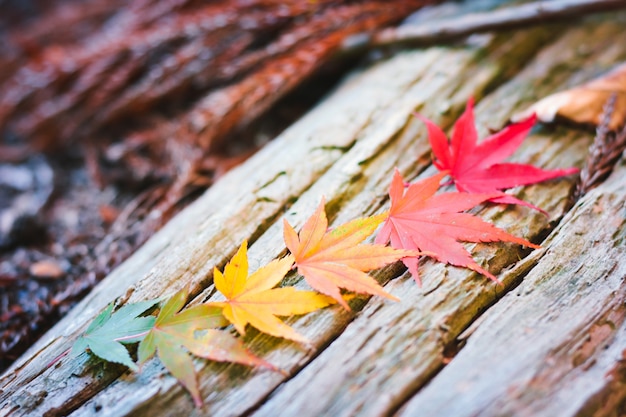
x=254 y=300
x=475 y=167
x=330 y=260
x=105 y=335
x=175 y=334
x=584 y=104
x=420 y=220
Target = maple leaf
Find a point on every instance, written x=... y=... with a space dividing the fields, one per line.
x=254 y=300
x=175 y=334
x=475 y=168
x=106 y=334
x=330 y=260
x=420 y=220
x=584 y=103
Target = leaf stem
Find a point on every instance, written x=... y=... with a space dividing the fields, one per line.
x=132 y=336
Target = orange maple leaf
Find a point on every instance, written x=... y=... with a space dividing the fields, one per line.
x=333 y=259
x=253 y=299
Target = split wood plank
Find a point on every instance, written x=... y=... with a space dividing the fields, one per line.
x=391 y=350
x=360 y=177
x=368 y=110
x=246 y=396
x=552 y=346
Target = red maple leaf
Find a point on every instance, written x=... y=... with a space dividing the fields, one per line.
x=420 y=220
x=475 y=167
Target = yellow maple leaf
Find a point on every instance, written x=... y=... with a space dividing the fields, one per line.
x=254 y=300
x=330 y=260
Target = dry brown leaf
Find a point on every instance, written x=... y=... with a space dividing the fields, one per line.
x=584 y=104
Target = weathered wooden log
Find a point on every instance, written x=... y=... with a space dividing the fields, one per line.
x=521 y=16
x=555 y=344
x=373 y=362
x=391 y=350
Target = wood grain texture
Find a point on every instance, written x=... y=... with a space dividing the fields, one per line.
x=549 y=346
x=355 y=185
x=373 y=361
x=391 y=350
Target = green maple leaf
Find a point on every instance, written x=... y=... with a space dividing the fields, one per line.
x=175 y=335
x=108 y=332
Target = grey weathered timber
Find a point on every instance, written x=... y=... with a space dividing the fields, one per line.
x=375 y=359
x=391 y=350
x=550 y=346
x=360 y=180
x=369 y=110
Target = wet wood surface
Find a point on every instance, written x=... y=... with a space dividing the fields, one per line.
x=548 y=341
